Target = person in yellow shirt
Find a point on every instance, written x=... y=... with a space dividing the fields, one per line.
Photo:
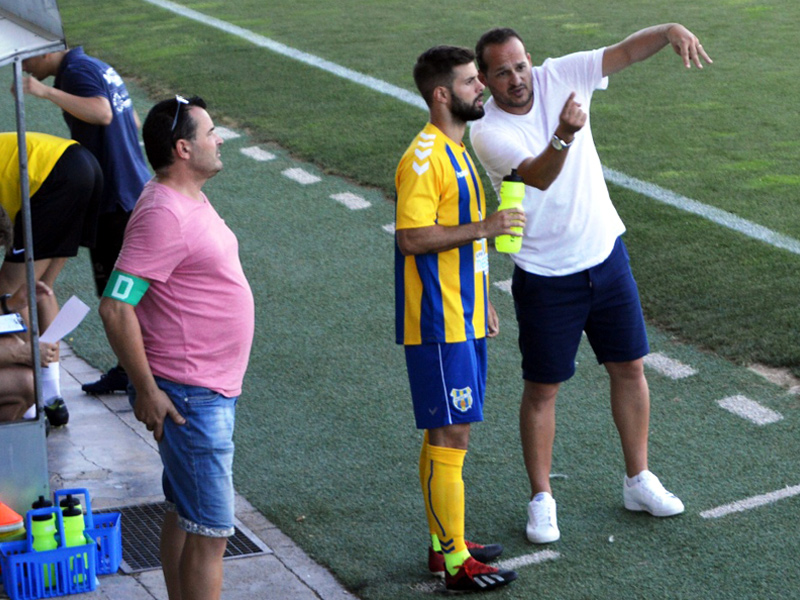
x=65 y=183
x=443 y=313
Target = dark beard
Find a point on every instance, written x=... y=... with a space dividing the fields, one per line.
x=465 y=112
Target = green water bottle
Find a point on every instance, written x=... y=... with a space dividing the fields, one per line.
x=70 y=499
x=512 y=191
x=43 y=530
x=74 y=527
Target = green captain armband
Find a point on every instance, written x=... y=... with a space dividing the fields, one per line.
x=125 y=288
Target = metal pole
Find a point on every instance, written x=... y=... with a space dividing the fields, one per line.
x=28 y=233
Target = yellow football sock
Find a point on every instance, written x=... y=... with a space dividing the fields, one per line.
x=444 y=499
x=424 y=475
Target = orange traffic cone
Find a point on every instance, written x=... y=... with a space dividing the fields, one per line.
x=11 y=524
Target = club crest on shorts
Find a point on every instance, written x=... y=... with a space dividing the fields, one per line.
x=462 y=399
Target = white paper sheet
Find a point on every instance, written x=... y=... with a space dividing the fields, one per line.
x=67 y=319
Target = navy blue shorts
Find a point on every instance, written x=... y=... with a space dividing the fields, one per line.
x=448 y=382
x=64 y=210
x=552 y=312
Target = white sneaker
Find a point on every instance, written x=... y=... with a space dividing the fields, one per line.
x=542 y=525
x=644 y=492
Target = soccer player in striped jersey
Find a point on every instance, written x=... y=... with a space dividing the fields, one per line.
x=443 y=313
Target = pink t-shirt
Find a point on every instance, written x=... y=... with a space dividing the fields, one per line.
x=197 y=316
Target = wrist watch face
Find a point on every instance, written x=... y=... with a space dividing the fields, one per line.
x=556 y=143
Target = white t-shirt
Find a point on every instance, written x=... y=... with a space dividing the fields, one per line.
x=573 y=225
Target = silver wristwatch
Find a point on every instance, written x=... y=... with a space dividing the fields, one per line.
x=559 y=144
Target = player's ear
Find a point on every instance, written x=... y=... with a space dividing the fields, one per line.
x=441 y=94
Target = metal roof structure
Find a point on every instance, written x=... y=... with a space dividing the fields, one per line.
x=27 y=28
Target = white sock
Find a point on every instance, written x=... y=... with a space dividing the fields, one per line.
x=51 y=383
x=631 y=481
x=30 y=413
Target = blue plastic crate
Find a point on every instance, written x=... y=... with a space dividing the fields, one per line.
x=29 y=575
x=107 y=534
x=105 y=529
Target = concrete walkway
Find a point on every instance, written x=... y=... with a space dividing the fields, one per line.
x=105 y=450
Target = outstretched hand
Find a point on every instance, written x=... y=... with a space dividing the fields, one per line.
x=687 y=46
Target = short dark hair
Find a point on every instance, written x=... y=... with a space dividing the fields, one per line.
x=158 y=132
x=6 y=230
x=498 y=35
x=435 y=67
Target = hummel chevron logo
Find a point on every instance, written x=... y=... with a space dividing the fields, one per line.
x=420 y=169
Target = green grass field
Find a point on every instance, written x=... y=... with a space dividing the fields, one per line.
x=325 y=442
x=725 y=136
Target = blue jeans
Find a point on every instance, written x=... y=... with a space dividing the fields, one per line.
x=198 y=459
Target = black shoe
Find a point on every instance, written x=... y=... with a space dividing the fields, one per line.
x=57 y=413
x=485 y=553
x=116 y=380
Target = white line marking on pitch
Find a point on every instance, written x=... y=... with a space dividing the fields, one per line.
x=750 y=503
x=388 y=228
x=527 y=560
x=716 y=215
x=750 y=409
x=668 y=367
x=503 y=285
x=351 y=201
x=300 y=176
x=257 y=153
x=309 y=59
x=226 y=134
x=650 y=190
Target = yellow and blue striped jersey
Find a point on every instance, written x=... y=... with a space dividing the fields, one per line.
x=440 y=297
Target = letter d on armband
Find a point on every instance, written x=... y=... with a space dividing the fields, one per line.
x=125 y=288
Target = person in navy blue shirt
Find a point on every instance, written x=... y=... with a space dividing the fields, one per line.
x=99 y=113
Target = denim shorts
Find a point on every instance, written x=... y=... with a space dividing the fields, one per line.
x=552 y=312
x=448 y=382
x=198 y=459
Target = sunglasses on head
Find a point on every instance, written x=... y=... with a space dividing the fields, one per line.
x=179 y=100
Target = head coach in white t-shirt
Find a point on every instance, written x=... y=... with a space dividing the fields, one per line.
x=572 y=274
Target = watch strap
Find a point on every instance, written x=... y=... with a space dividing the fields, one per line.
x=559 y=144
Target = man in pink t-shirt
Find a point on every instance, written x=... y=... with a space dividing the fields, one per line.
x=179 y=314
